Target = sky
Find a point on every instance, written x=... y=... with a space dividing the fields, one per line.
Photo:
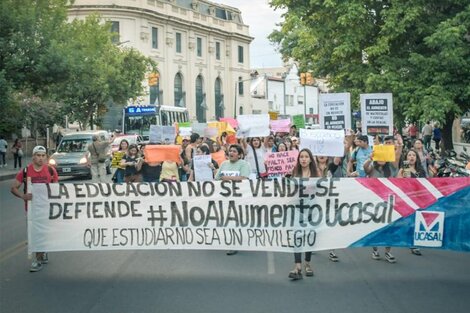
x=261 y=19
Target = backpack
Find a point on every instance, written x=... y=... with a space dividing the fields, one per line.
x=25 y=175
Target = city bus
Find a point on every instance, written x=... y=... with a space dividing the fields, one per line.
x=137 y=119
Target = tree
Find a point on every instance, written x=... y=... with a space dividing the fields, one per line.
x=418 y=50
x=26 y=29
x=96 y=70
x=74 y=68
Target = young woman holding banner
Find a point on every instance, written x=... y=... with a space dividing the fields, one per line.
x=379 y=169
x=203 y=150
x=305 y=168
x=235 y=168
x=412 y=168
x=254 y=155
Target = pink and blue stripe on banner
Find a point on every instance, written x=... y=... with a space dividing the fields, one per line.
x=416 y=197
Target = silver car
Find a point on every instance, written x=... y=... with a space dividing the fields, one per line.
x=71 y=156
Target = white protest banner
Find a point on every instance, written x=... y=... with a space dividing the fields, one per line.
x=280 y=126
x=185 y=131
x=323 y=142
x=280 y=163
x=160 y=133
x=377 y=113
x=168 y=134
x=202 y=171
x=335 y=110
x=155 y=134
x=289 y=215
x=254 y=125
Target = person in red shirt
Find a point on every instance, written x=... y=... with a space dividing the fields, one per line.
x=413 y=131
x=37 y=172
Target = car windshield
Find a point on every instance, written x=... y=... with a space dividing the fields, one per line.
x=130 y=140
x=73 y=145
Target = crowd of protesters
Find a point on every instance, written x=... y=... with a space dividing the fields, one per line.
x=243 y=158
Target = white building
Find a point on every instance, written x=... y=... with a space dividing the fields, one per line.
x=279 y=90
x=202 y=51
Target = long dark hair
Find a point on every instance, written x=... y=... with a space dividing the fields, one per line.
x=385 y=168
x=297 y=172
x=205 y=150
x=418 y=166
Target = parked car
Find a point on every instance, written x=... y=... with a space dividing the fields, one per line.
x=132 y=139
x=71 y=156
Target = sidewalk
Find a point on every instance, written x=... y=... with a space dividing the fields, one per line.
x=9 y=172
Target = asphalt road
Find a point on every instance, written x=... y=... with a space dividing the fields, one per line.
x=210 y=281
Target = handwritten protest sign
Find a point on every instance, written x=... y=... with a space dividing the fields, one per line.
x=384 y=153
x=221 y=127
x=185 y=131
x=253 y=125
x=202 y=171
x=288 y=215
x=160 y=153
x=280 y=126
x=117 y=157
x=298 y=121
x=335 y=111
x=280 y=163
x=377 y=113
x=273 y=115
x=219 y=157
x=323 y=142
x=160 y=133
x=184 y=124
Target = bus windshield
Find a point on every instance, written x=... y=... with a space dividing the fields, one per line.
x=137 y=119
x=139 y=124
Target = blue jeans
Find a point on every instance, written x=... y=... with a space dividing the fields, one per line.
x=119 y=175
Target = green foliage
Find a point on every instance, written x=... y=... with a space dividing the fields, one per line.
x=418 y=50
x=64 y=68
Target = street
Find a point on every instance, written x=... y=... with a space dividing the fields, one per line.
x=211 y=281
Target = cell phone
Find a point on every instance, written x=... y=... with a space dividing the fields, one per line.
x=406 y=164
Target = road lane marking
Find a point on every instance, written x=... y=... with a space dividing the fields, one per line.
x=4 y=255
x=271 y=269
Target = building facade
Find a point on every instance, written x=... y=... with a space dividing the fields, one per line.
x=201 y=48
x=279 y=90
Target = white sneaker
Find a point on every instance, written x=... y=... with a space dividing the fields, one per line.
x=375 y=255
x=389 y=257
x=36 y=266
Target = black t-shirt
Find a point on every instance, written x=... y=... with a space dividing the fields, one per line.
x=151 y=172
x=130 y=169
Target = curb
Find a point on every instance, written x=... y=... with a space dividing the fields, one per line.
x=7 y=176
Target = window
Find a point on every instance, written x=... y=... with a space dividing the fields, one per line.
x=154 y=38
x=219 y=99
x=240 y=54
x=115 y=31
x=178 y=42
x=201 y=106
x=217 y=50
x=178 y=91
x=199 y=46
x=240 y=86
